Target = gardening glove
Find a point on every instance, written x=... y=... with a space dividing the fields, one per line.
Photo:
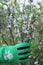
x=15 y=54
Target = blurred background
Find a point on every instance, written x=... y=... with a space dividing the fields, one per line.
x=22 y=20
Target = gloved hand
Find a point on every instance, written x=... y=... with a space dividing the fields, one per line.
x=15 y=54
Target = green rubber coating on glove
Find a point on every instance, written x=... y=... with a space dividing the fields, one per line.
x=18 y=53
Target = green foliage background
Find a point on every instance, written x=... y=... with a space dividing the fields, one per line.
x=25 y=25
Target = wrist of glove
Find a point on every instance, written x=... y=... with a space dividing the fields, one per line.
x=15 y=54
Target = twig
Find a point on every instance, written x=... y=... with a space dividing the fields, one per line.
x=11 y=34
x=4 y=39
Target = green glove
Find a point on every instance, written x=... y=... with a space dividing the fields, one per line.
x=15 y=54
